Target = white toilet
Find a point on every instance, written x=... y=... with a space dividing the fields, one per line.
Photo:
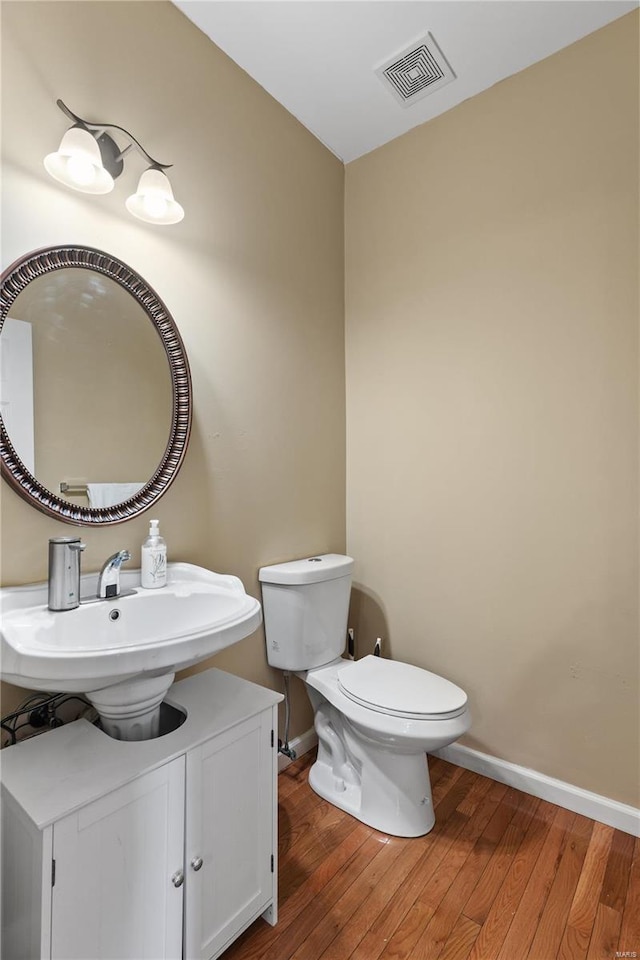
x=375 y=718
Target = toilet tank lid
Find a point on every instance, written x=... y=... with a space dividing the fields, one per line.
x=328 y=566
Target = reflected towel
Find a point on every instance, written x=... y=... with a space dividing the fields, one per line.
x=108 y=494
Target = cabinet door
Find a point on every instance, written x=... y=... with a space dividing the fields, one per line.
x=26 y=884
x=230 y=809
x=113 y=896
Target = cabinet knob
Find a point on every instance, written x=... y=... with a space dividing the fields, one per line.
x=197 y=862
x=178 y=878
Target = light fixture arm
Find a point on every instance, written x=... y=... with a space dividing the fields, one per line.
x=98 y=129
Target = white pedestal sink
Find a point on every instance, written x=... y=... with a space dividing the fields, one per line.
x=123 y=653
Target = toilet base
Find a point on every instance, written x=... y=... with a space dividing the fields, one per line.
x=387 y=790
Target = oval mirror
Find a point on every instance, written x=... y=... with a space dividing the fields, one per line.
x=95 y=390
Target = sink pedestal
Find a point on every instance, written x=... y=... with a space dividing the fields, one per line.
x=131 y=710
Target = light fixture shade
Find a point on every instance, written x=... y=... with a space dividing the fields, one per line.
x=78 y=163
x=153 y=202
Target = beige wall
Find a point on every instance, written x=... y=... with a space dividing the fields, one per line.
x=253 y=277
x=492 y=408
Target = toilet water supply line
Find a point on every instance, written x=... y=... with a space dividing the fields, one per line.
x=284 y=747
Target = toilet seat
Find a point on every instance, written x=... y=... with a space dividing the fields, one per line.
x=400 y=689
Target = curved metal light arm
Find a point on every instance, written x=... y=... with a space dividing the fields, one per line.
x=101 y=127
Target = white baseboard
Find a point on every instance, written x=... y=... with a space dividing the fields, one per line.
x=593 y=805
x=302 y=744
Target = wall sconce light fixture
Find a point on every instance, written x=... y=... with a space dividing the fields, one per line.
x=88 y=159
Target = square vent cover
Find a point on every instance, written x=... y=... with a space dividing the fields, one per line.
x=416 y=72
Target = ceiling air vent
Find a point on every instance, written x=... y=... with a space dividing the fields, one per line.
x=416 y=72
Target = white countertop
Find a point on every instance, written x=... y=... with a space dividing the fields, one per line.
x=59 y=771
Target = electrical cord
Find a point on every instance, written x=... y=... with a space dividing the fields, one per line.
x=9 y=722
x=48 y=702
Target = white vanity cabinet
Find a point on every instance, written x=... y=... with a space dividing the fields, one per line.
x=160 y=849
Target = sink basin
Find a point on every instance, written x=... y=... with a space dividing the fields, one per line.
x=123 y=653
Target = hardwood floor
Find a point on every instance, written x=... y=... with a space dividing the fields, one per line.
x=502 y=876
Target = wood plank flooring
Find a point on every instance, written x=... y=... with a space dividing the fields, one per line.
x=502 y=876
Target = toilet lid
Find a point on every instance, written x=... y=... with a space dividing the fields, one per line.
x=400 y=689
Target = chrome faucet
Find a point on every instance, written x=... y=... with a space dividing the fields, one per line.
x=64 y=572
x=109 y=576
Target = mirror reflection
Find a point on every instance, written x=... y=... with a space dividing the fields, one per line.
x=86 y=392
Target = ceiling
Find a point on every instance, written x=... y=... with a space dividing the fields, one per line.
x=318 y=57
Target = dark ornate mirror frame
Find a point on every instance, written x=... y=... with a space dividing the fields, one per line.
x=45 y=261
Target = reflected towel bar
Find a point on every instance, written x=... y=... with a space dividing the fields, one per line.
x=74 y=489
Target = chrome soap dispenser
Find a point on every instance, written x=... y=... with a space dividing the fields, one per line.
x=64 y=572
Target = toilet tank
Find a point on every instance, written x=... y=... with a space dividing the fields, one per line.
x=305 y=606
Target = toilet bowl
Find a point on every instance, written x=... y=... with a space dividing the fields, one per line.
x=375 y=718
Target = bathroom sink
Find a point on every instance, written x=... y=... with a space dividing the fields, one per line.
x=147 y=634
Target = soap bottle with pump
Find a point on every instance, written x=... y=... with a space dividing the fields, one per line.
x=154 y=559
